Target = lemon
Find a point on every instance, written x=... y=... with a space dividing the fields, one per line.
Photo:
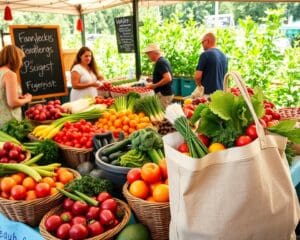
x=214 y=147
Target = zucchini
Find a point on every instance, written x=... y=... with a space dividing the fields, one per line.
x=104 y=159
x=116 y=162
x=115 y=147
x=115 y=155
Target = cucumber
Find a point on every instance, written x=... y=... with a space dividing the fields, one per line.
x=115 y=155
x=115 y=162
x=115 y=147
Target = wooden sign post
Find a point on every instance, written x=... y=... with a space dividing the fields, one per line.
x=42 y=73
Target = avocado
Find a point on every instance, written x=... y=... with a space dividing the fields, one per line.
x=135 y=231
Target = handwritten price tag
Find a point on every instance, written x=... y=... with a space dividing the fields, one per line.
x=10 y=230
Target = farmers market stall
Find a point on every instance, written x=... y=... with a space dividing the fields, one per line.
x=109 y=152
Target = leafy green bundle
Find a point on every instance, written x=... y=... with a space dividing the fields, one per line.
x=17 y=129
x=227 y=116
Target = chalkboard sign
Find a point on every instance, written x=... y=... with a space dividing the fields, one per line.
x=124 y=32
x=42 y=73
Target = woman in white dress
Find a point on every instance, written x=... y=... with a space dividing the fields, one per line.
x=84 y=75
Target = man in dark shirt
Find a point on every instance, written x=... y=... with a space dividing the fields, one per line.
x=161 y=76
x=212 y=66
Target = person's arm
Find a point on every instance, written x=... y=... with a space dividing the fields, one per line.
x=198 y=77
x=12 y=96
x=199 y=69
x=76 y=84
x=165 y=80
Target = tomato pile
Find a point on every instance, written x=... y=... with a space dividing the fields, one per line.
x=126 y=122
x=19 y=186
x=51 y=111
x=149 y=182
x=79 y=221
x=78 y=134
x=124 y=90
x=107 y=101
x=10 y=153
x=190 y=105
x=106 y=86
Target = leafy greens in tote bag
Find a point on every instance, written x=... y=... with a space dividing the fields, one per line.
x=240 y=193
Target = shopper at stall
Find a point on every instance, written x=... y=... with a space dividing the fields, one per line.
x=11 y=60
x=212 y=66
x=162 y=75
x=84 y=75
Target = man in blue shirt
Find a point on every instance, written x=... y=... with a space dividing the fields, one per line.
x=212 y=66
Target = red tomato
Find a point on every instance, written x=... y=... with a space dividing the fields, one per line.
x=242 y=140
x=66 y=216
x=63 y=231
x=276 y=116
x=18 y=192
x=42 y=190
x=106 y=217
x=183 y=148
x=267 y=118
x=79 y=220
x=204 y=139
x=78 y=232
x=79 y=208
x=109 y=204
x=251 y=131
x=151 y=173
x=95 y=228
x=68 y=203
x=133 y=174
x=269 y=111
x=103 y=196
x=93 y=213
x=53 y=222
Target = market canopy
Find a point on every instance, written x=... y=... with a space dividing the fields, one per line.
x=75 y=7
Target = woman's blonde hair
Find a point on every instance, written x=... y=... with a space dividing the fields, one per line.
x=12 y=56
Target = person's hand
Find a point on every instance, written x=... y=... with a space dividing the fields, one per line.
x=96 y=84
x=150 y=85
x=26 y=96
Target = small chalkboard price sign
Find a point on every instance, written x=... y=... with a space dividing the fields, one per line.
x=42 y=73
x=124 y=32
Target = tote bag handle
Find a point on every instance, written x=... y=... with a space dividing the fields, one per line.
x=243 y=89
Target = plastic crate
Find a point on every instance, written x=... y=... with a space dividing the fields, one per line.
x=187 y=86
x=176 y=86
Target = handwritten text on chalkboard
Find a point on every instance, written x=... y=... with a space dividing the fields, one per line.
x=42 y=72
x=124 y=31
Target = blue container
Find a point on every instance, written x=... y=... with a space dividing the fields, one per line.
x=187 y=86
x=176 y=86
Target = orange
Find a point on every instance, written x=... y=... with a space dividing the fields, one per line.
x=59 y=185
x=29 y=183
x=7 y=183
x=214 y=147
x=53 y=191
x=161 y=193
x=139 y=189
x=150 y=199
x=49 y=180
x=65 y=177
x=5 y=195
x=18 y=178
x=30 y=195
x=61 y=169
x=153 y=185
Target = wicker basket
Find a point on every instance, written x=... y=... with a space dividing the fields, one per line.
x=106 y=235
x=156 y=216
x=31 y=212
x=74 y=156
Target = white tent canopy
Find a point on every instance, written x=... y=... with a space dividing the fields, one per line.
x=75 y=7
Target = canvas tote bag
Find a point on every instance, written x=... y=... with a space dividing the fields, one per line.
x=241 y=193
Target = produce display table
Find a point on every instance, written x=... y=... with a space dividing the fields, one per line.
x=19 y=231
